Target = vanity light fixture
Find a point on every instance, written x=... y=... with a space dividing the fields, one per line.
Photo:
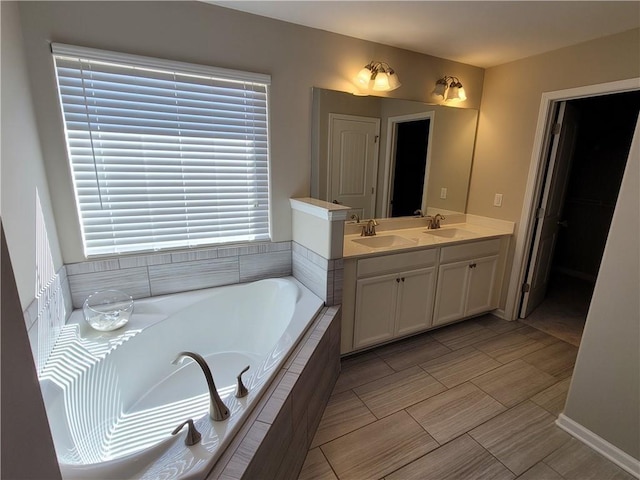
x=449 y=88
x=384 y=78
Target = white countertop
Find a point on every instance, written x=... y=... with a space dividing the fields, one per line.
x=407 y=239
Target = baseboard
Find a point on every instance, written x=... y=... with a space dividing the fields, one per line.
x=600 y=445
x=500 y=313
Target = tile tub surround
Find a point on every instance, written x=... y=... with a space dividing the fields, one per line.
x=475 y=409
x=274 y=441
x=46 y=315
x=148 y=275
x=320 y=275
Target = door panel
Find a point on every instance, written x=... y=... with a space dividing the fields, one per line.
x=353 y=162
x=415 y=300
x=562 y=147
x=481 y=285
x=451 y=294
x=375 y=310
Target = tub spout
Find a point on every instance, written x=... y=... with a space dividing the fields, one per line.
x=218 y=411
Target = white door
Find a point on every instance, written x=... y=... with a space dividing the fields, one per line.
x=482 y=281
x=550 y=211
x=415 y=300
x=451 y=295
x=376 y=300
x=353 y=162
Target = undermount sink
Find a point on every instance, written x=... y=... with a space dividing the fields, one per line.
x=450 y=233
x=381 y=241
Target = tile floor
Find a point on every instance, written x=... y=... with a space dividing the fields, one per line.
x=564 y=310
x=474 y=400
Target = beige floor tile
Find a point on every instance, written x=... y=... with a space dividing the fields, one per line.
x=414 y=356
x=316 y=467
x=537 y=335
x=345 y=413
x=497 y=324
x=553 y=398
x=555 y=359
x=514 y=382
x=360 y=371
x=398 y=391
x=460 y=459
x=462 y=334
x=455 y=411
x=404 y=344
x=521 y=436
x=508 y=346
x=379 y=448
x=459 y=366
x=576 y=461
x=540 y=471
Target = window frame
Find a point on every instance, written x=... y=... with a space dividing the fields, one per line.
x=180 y=68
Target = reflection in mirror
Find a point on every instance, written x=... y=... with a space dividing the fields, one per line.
x=389 y=157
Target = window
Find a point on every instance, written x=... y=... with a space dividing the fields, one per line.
x=163 y=154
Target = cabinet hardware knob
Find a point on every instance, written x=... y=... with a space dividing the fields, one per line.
x=397 y=280
x=473 y=265
x=403 y=279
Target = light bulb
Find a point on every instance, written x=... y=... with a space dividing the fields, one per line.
x=394 y=82
x=381 y=82
x=364 y=76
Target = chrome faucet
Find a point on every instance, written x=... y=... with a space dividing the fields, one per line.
x=434 y=222
x=355 y=217
x=369 y=230
x=419 y=213
x=218 y=411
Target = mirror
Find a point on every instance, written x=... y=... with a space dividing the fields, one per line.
x=358 y=152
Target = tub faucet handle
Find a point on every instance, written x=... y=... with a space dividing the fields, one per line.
x=241 y=390
x=193 y=435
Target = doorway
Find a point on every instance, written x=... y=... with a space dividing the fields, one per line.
x=410 y=163
x=594 y=166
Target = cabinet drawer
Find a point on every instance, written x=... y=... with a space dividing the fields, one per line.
x=397 y=262
x=465 y=251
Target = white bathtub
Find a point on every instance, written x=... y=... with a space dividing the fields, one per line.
x=113 y=398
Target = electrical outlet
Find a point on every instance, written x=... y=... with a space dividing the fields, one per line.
x=497 y=200
x=443 y=192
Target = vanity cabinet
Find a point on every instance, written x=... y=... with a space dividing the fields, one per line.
x=394 y=296
x=466 y=281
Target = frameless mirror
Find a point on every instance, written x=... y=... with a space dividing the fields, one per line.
x=390 y=157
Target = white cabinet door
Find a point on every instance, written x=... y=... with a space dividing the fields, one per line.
x=415 y=300
x=482 y=280
x=376 y=299
x=451 y=292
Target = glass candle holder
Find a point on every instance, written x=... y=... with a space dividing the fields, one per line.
x=108 y=310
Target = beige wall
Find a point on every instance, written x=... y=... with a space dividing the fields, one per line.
x=296 y=57
x=23 y=174
x=605 y=389
x=509 y=115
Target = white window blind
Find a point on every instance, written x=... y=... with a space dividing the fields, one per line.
x=163 y=154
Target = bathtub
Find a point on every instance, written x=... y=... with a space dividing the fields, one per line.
x=113 y=398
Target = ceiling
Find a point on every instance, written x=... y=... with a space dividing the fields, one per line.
x=480 y=33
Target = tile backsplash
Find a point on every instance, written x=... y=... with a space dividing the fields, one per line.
x=159 y=274
x=46 y=315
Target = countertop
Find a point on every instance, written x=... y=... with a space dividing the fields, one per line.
x=407 y=239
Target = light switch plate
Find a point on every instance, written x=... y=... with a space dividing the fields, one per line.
x=443 y=192
x=497 y=200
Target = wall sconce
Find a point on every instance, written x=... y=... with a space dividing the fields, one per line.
x=384 y=78
x=450 y=88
